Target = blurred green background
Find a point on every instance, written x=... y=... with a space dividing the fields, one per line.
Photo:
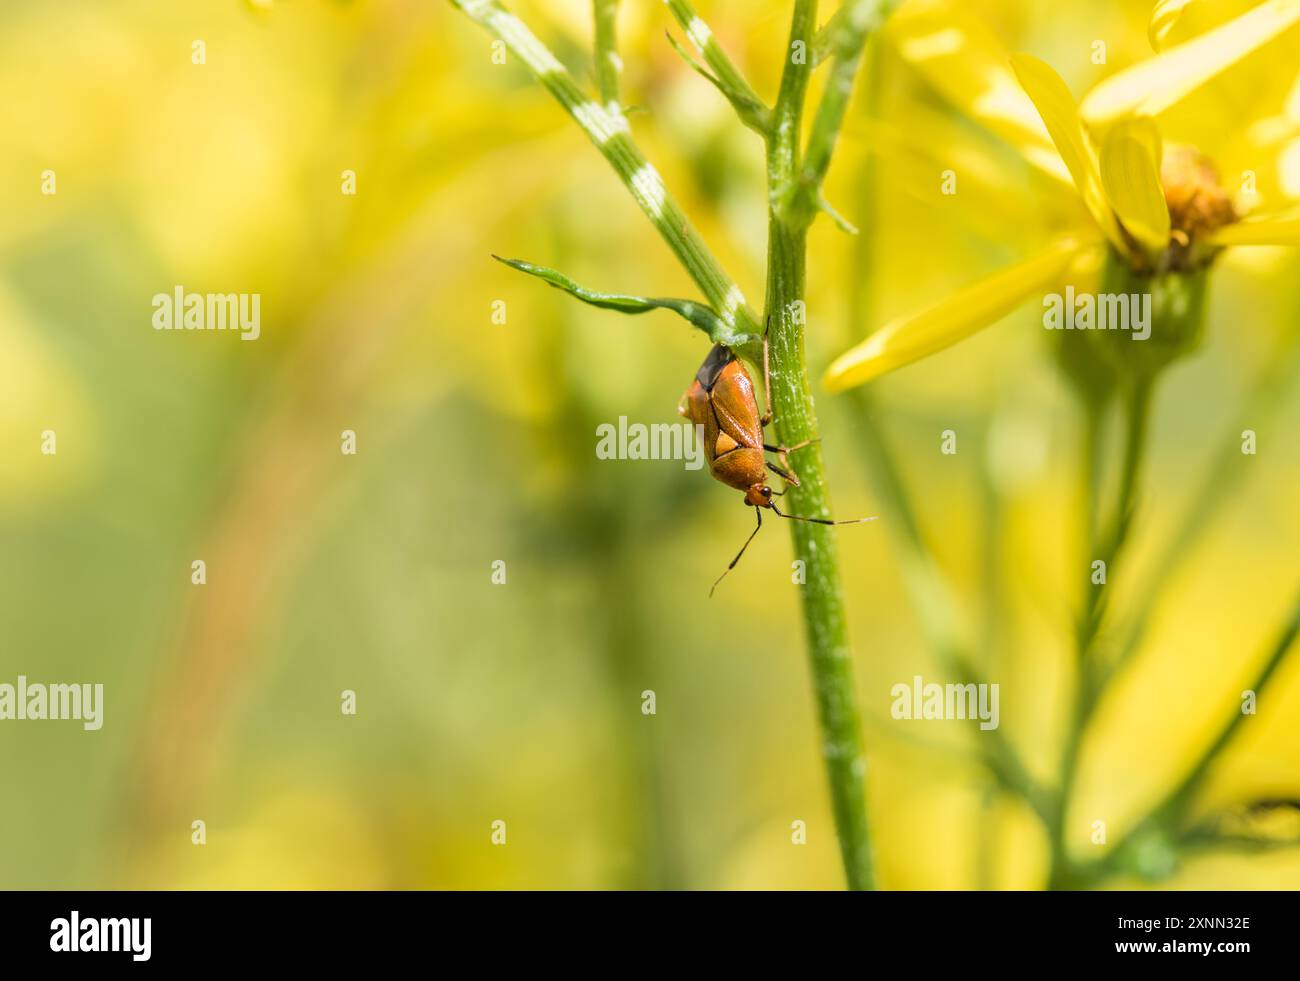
x=476 y=442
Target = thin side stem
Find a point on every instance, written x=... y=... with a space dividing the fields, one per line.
x=931 y=595
x=1180 y=798
x=783 y=141
x=1221 y=478
x=1105 y=546
x=927 y=587
x=1173 y=808
x=725 y=75
x=609 y=65
x=610 y=133
x=849 y=30
x=1094 y=416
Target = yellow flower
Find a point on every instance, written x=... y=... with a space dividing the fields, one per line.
x=1159 y=208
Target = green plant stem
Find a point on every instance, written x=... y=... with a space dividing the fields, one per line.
x=1094 y=415
x=1175 y=805
x=604 y=14
x=825 y=623
x=1223 y=475
x=609 y=131
x=606 y=126
x=814 y=545
x=1107 y=546
x=1138 y=419
x=847 y=40
x=927 y=587
x=1221 y=478
x=1094 y=418
x=1137 y=415
x=722 y=72
x=701 y=36
x=783 y=141
x=931 y=595
x=1180 y=798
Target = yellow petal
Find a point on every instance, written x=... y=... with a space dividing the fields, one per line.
x=1288 y=166
x=952 y=319
x=1166 y=14
x=930 y=140
x=1283 y=229
x=964 y=61
x=1176 y=21
x=1130 y=173
x=1154 y=85
x=1056 y=105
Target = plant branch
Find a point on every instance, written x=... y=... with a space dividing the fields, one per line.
x=1221 y=478
x=610 y=133
x=1104 y=546
x=823 y=605
x=783 y=140
x=825 y=625
x=931 y=596
x=846 y=37
x=928 y=589
x=723 y=73
x=828 y=34
x=609 y=65
x=1180 y=798
x=1175 y=805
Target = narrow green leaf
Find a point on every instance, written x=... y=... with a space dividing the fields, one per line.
x=843 y=40
x=722 y=72
x=607 y=128
x=843 y=223
x=699 y=314
x=830 y=35
x=752 y=112
x=694 y=65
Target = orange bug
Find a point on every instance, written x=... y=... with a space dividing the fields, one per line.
x=721 y=399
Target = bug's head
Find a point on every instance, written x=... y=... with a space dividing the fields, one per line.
x=759 y=496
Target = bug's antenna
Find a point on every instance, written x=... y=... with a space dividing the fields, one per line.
x=819 y=521
x=759 y=513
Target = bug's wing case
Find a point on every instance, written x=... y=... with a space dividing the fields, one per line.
x=697 y=406
x=718 y=358
x=733 y=403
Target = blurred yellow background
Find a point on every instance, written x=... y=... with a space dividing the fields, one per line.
x=476 y=443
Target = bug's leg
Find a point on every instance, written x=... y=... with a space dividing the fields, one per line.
x=791 y=449
x=767 y=378
x=759 y=513
x=781 y=452
x=681 y=404
x=823 y=521
x=786 y=475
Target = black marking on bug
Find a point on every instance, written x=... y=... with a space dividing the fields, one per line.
x=719 y=357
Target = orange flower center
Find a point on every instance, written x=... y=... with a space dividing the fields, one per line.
x=1198 y=204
